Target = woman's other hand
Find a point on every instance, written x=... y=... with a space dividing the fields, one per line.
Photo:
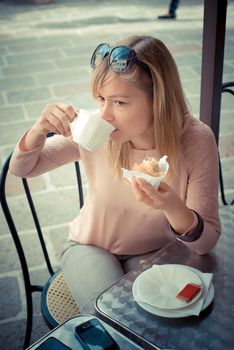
x=177 y=213
x=162 y=198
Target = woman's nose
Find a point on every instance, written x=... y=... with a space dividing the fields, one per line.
x=106 y=113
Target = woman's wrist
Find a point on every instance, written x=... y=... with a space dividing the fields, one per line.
x=31 y=140
x=194 y=224
x=180 y=217
x=194 y=232
x=38 y=130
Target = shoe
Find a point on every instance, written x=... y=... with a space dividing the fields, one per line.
x=168 y=16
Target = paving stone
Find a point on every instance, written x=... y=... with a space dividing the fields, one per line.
x=3 y=51
x=194 y=35
x=4 y=228
x=4 y=153
x=50 y=211
x=58 y=237
x=85 y=101
x=75 y=62
x=226 y=145
x=11 y=83
x=58 y=41
x=228 y=77
x=189 y=60
x=79 y=50
x=226 y=123
x=39 y=328
x=11 y=113
x=186 y=73
x=194 y=104
x=229 y=51
x=34 y=109
x=11 y=134
x=228 y=172
x=229 y=195
x=22 y=69
x=67 y=75
x=39 y=277
x=37 y=46
x=227 y=69
x=9 y=260
x=192 y=87
x=12 y=334
x=10 y=302
x=32 y=249
x=12 y=42
x=26 y=95
x=181 y=48
x=227 y=102
x=32 y=57
x=2 y=99
x=94 y=40
x=70 y=89
x=82 y=100
x=1 y=61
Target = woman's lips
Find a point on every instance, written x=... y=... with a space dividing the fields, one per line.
x=113 y=133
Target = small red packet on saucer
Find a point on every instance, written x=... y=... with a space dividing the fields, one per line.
x=189 y=292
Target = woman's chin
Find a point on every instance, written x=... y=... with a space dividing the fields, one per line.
x=118 y=137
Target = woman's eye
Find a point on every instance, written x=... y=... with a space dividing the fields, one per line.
x=120 y=103
x=99 y=99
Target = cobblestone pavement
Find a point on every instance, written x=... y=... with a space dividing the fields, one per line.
x=44 y=57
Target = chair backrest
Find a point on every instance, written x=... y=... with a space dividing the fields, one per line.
x=226 y=88
x=11 y=223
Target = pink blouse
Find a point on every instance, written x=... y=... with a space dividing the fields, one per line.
x=112 y=218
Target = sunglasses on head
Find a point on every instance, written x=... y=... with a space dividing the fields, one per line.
x=120 y=58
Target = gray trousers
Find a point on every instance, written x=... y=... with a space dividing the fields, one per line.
x=89 y=270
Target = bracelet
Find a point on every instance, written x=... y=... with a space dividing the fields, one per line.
x=193 y=234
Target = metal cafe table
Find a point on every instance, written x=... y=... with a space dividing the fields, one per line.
x=65 y=334
x=212 y=329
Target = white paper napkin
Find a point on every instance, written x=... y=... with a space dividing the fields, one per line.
x=196 y=307
x=152 y=180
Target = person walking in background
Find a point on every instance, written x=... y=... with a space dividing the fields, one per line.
x=171 y=14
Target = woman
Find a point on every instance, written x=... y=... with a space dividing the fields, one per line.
x=138 y=90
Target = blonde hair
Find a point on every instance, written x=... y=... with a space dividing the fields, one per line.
x=162 y=83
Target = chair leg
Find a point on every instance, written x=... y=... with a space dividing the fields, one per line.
x=29 y=320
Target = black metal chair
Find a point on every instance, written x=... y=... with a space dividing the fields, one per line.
x=57 y=304
x=226 y=88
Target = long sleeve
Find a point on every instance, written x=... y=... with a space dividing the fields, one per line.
x=200 y=152
x=54 y=152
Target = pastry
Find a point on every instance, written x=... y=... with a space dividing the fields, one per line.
x=150 y=167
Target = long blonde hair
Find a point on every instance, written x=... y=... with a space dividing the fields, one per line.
x=162 y=82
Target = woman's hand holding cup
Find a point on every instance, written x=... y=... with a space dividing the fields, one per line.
x=55 y=118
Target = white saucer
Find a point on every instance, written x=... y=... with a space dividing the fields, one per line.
x=177 y=313
x=159 y=285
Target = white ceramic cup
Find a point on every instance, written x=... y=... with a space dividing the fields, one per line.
x=89 y=130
